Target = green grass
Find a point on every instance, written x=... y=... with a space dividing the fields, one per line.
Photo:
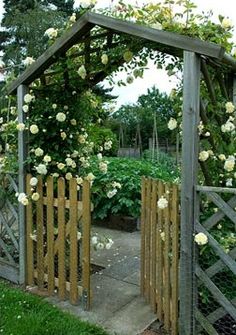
x=25 y=314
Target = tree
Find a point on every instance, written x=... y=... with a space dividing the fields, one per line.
x=141 y=115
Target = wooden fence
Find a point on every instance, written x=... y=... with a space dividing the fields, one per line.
x=160 y=251
x=58 y=258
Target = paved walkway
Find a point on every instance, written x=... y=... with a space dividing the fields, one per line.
x=116 y=301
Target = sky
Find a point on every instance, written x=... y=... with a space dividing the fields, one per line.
x=152 y=76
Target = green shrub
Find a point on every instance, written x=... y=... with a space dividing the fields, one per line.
x=127 y=172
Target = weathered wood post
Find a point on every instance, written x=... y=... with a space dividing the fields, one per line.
x=191 y=106
x=22 y=156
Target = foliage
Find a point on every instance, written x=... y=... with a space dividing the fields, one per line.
x=99 y=135
x=128 y=173
x=23 y=313
x=150 y=106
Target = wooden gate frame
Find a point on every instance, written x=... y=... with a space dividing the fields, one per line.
x=194 y=52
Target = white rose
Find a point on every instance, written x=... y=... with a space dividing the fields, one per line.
x=61 y=117
x=104 y=59
x=38 y=152
x=25 y=108
x=35 y=196
x=33 y=181
x=201 y=239
x=90 y=177
x=72 y=19
x=21 y=196
x=28 y=98
x=79 y=180
x=162 y=203
x=103 y=167
x=226 y=23
x=25 y=202
x=100 y=246
x=172 y=124
x=47 y=159
x=41 y=169
x=203 y=156
x=51 y=33
x=116 y=185
x=229 y=107
x=68 y=176
x=108 y=246
x=34 y=129
x=63 y=135
x=229 y=182
x=94 y=240
x=79 y=235
x=28 y=61
x=60 y=166
x=54 y=106
x=99 y=156
x=108 y=145
x=69 y=161
x=110 y=194
x=229 y=164
x=20 y=126
x=227 y=127
x=82 y=72
x=222 y=157
x=73 y=122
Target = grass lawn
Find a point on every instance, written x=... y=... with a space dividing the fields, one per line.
x=25 y=314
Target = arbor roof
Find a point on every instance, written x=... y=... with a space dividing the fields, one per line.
x=173 y=44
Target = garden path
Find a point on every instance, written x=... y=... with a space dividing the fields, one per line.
x=116 y=301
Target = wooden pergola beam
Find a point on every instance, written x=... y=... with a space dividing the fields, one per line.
x=79 y=30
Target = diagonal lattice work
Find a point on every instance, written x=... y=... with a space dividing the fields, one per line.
x=9 y=229
x=215 y=270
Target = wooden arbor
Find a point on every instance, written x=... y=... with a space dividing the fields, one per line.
x=198 y=57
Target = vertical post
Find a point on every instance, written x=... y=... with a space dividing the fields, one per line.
x=22 y=155
x=191 y=107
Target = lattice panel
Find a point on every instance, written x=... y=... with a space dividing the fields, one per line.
x=216 y=268
x=9 y=229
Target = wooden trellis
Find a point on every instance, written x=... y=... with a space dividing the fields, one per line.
x=9 y=231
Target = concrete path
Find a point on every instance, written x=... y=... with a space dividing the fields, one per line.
x=116 y=301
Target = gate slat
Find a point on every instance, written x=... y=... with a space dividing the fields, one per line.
x=166 y=272
x=86 y=222
x=159 y=256
x=153 y=243
x=40 y=250
x=61 y=238
x=50 y=236
x=29 y=240
x=73 y=241
x=148 y=240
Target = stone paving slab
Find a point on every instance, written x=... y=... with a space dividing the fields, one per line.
x=131 y=319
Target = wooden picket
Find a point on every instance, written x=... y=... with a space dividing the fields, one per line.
x=160 y=251
x=55 y=251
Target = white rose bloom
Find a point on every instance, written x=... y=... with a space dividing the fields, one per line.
x=229 y=182
x=72 y=19
x=110 y=194
x=28 y=61
x=41 y=169
x=79 y=235
x=94 y=240
x=90 y=177
x=203 y=156
x=63 y=135
x=201 y=239
x=51 y=33
x=47 y=159
x=162 y=203
x=81 y=139
x=1 y=119
x=222 y=157
x=68 y=176
x=33 y=181
x=25 y=108
x=104 y=59
x=54 y=106
x=25 y=202
x=60 y=166
x=103 y=167
x=61 y=117
x=227 y=127
x=82 y=72
x=73 y=122
x=34 y=129
x=229 y=164
x=108 y=145
x=108 y=246
x=28 y=98
x=229 y=107
x=87 y=3
x=20 y=126
x=172 y=124
x=35 y=196
x=99 y=156
x=21 y=196
x=116 y=185
x=38 y=152
x=226 y=23
x=79 y=180
x=69 y=161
